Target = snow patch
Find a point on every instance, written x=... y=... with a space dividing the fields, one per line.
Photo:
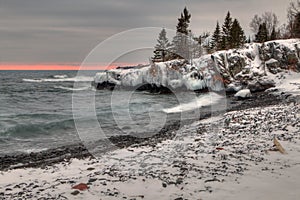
x=246 y=93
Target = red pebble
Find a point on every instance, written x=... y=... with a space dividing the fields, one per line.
x=81 y=187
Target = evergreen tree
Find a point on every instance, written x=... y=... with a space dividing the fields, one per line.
x=249 y=39
x=216 y=38
x=237 y=37
x=183 y=22
x=296 y=26
x=262 y=34
x=226 y=31
x=223 y=42
x=273 y=35
x=180 y=41
x=162 y=47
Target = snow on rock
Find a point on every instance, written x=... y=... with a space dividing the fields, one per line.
x=288 y=86
x=250 y=67
x=245 y=93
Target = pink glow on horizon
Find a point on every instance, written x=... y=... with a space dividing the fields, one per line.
x=59 y=66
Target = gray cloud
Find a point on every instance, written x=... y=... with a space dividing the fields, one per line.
x=60 y=31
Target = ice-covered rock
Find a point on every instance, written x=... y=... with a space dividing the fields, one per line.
x=250 y=67
x=243 y=94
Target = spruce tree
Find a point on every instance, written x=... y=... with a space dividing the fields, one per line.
x=273 y=35
x=226 y=31
x=216 y=38
x=262 y=34
x=180 y=41
x=296 y=26
x=162 y=47
x=237 y=37
x=249 y=39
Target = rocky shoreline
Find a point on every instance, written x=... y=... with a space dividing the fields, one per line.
x=207 y=159
x=65 y=153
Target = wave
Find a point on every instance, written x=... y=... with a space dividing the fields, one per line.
x=202 y=101
x=74 y=89
x=61 y=79
x=60 y=76
x=32 y=80
x=39 y=129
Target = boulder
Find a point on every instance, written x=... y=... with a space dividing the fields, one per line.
x=273 y=66
x=260 y=84
x=243 y=94
x=233 y=87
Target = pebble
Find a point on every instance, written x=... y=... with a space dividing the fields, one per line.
x=75 y=192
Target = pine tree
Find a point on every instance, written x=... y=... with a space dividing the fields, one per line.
x=216 y=38
x=162 y=47
x=237 y=37
x=262 y=34
x=183 y=22
x=249 y=39
x=273 y=35
x=226 y=31
x=223 y=42
x=180 y=41
x=296 y=26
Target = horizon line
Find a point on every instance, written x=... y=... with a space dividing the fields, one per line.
x=60 y=66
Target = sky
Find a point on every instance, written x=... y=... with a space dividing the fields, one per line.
x=60 y=34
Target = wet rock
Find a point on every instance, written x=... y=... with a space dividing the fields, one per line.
x=164 y=184
x=91 y=180
x=90 y=169
x=179 y=198
x=179 y=181
x=75 y=192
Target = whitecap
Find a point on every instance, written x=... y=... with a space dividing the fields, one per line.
x=74 y=79
x=60 y=76
x=73 y=89
x=32 y=80
x=205 y=100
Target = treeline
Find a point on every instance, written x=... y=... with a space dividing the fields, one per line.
x=230 y=35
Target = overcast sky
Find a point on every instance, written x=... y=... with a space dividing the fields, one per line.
x=65 y=31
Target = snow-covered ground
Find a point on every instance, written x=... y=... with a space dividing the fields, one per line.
x=288 y=82
x=226 y=157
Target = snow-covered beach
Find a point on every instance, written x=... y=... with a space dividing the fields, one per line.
x=230 y=156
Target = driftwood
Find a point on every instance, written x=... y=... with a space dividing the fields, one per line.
x=278 y=146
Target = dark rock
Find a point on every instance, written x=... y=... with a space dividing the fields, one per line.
x=91 y=180
x=164 y=184
x=212 y=180
x=20 y=193
x=179 y=198
x=179 y=181
x=260 y=85
x=75 y=192
x=273 y=66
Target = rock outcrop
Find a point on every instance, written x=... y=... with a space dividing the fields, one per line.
x=252 y=67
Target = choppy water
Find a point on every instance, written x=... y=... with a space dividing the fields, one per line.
x=36 y=109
